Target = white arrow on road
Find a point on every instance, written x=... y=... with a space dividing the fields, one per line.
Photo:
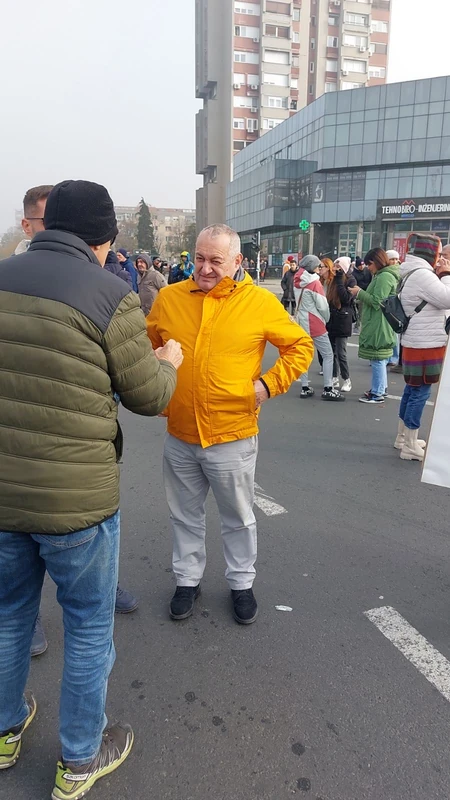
x=267 y=504
x=429 y=661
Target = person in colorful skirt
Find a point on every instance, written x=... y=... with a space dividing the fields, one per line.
x=425 y=339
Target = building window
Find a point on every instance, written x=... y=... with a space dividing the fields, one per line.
x=281 y=31
x=296 y=37
x=238 y=144
x=311 y=89
x=378 y=47
x=296 y=15
x=313 y=22
x=357 y=19
x=330 y=87
x=278 y=154
x=312 y=66
x=246 y=58
x=253 y=82
x=350 y=85
x=239 y=123
x=245 y=102
x=275 y=80
x=313 y=44
x=247 y=8
x=276 y=56
x=332 y=41
x=294 y=105
x=295 y=61
x=275 y=102
x=352 y=65
x=377 y=72
x=377 y=26
x=245 y=32
x=278 y=8
x=333 y=20
x=294 y=83
x=355 y=41
x=331 y=65
x=239 y=78
x=268 y=124
x=252 y=125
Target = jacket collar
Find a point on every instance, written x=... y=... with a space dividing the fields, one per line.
x=226 y=286
x=62 y=242
x=414 y=262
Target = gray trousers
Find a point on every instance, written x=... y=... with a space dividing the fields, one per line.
x=323 y=346
x=229 y=470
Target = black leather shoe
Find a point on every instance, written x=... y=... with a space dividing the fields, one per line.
x=182 y=603
x=245 y=607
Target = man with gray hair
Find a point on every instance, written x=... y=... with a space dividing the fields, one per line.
x=223 y=323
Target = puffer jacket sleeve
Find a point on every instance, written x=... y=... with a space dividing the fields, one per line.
x=144 y=383
x=294 y=345
x=321 y=303
x=383 y=286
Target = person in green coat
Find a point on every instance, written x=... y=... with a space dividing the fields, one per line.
x=377 y=339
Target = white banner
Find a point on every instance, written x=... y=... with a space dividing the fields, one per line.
x=436 y=467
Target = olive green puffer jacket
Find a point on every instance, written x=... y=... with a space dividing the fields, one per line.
x=71 y=335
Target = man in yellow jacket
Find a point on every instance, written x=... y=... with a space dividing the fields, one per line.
x=223 y=323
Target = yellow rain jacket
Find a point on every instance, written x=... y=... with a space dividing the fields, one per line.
x=223 y=335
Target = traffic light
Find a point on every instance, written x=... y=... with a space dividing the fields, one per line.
x=255 y=241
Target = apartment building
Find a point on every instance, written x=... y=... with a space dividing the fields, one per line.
x=258 y=62
x=169 y=225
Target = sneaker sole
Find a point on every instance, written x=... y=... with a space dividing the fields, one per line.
x=189 y=613
x=127 y=610
x=28 y=722
x=245 y=621
x=58 y=795
x=334 y=399
x=38 y=651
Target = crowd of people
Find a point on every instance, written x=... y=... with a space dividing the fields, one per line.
x=332 y=300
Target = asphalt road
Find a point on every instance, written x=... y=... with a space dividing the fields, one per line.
x=313 y=702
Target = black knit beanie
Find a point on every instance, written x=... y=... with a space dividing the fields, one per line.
x=82 y=208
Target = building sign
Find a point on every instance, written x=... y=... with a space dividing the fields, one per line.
x=414 y=209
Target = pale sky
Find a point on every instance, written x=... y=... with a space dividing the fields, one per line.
x=104 y=90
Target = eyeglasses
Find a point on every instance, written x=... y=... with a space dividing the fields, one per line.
x=32 y=219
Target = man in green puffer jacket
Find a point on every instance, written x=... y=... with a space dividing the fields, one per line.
x=377 y=339
x=73 y=335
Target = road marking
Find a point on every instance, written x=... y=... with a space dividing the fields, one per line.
x=267 y=504
x=396 y=397
x=429 y=661
x=283 y=608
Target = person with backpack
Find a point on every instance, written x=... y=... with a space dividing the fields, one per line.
x=377 y=338
x=424 y=296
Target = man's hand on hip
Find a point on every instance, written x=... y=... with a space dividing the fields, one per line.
x=171 y=352
x=261 y=393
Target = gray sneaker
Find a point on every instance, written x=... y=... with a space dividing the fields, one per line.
x=39 y=642
x=74 y=781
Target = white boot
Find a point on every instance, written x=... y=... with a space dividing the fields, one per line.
x=411 y=451
x=400 y=440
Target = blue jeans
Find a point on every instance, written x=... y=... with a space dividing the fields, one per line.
x=412 y=405
x=395 y=357
x=84 y=567
x=379 y=377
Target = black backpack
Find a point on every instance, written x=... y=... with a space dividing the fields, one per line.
x=393 y=310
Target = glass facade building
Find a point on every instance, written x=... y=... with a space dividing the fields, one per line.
x=363 y=167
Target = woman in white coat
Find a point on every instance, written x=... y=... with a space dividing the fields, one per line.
x=427 y=280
